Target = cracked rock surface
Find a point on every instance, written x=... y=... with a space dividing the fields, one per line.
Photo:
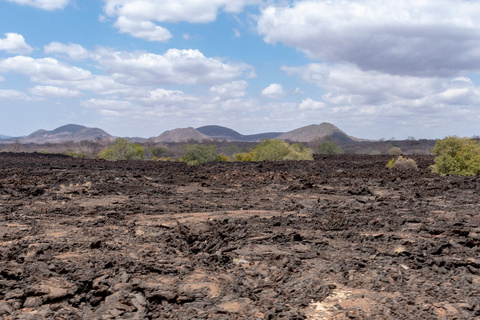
x=341 y=237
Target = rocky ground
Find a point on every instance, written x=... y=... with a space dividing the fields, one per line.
x=341 y=237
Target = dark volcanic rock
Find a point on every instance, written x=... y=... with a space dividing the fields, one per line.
x=341 y=237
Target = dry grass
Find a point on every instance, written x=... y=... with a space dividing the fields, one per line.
x=405 y=164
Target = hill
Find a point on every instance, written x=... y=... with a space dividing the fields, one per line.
x=182 y=135
x=317 y=131
x=224 y=133
x=2 y=136
x=69 y=132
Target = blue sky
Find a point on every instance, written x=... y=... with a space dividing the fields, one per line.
x=376 y=69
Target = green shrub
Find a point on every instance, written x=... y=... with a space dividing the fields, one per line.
x=121 y=149
x=275 y=150
x=243 y=157
x=195 y=154
x=458 y=156
x=222 y=158
x=329 y=147
x=155 y=152
x=391 y=163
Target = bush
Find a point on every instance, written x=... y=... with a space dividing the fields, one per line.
x=458 y=156
x=243 y=157
x=275 y=150
x=391 y=163
x=404 y=164
x=155 y=152
x=195 y=154
x=329 y=147
x=222 y=158
x=395 y=151
x=121 y=149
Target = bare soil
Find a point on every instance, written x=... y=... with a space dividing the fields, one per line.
x=341 y=237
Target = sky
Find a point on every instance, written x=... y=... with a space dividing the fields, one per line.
x=374 y=68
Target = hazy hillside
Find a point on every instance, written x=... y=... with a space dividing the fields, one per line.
x=182 y=135
x=314 y=132
x=221 y=133
x=69 y=132
x=224 y=133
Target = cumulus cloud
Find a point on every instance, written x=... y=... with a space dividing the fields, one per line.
x=274 y=91
x=419 y=38
x=137 y=17
x=174 y=67
x=352 y=92
x=72 y=50
x=231 y=90
x=194 y=11
x=48 y=5
x=142 y=29
x=12 y=94
x=43 y=70
x=50 y=71
x=15 y=43
x=51 y=91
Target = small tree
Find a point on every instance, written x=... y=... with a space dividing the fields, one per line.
x=329 y=147
x=275 y=150
x=121 y=149
x=195 y=154
x=458 y=156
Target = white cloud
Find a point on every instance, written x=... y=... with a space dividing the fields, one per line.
x=231 y=90
x=143 y=29
x=137 y=17
x=174 y=67
x=12 y=95
x=351 y=92
x=194 y=11
x=420 y=38
x=108 y=104
x=274 y=91
x=50 y=71
x=51 y=91
x=48 y=5
x=72 y=50
x=43 y=70
x=15 y=43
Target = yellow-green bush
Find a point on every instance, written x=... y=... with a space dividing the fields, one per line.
x=391 y=163
x=243 y=157
x=121 y=149
x=458 y=156
x=275 y=150
x=222 y=158
x=195 y=154
x=329 y=147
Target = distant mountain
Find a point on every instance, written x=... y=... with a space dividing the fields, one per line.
x=182 y=135
x=223 y=133
x=2 y=136
x=317 y=131
x=69 y=132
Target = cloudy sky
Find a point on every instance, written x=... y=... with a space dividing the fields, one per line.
x=374 y=68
